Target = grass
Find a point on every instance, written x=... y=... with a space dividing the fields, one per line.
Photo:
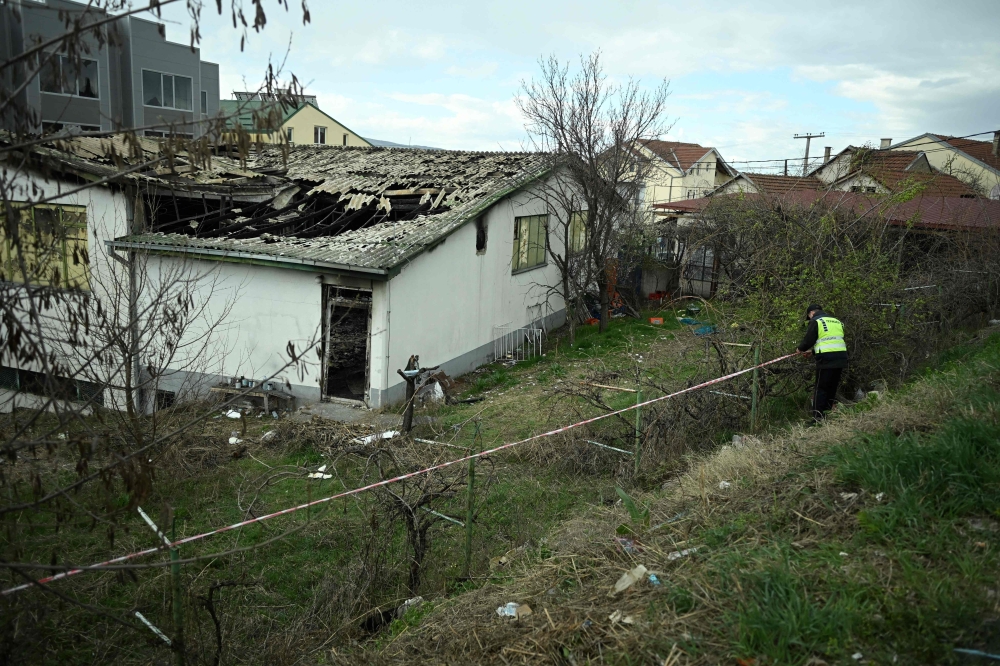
x=876 y=534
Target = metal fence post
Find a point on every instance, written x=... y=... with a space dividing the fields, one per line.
x=470 y=507
x=638 y=429
x=753 y=389
x=175 y=579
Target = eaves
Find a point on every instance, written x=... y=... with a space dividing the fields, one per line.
x=250 y=259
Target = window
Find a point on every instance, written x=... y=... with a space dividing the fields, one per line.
x=53 y=245
x=345 y=139
x=50 y=127
x=692 y=194
x=166 y=90
x=529 y=242
x=700 y=265
x=577 y=231
x=77 y=390
x=165 y=399
x=481 y=234
x=863 y=189
x=288 y=135
x=204 y=102
x=58 y=75
x=319 y=135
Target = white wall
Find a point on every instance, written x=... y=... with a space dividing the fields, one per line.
x=444 y=305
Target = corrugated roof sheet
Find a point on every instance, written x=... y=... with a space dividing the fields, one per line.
x=467 y=182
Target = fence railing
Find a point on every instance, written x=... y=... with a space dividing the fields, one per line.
x=516 y=344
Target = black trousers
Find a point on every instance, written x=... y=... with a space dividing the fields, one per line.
x=827 y=381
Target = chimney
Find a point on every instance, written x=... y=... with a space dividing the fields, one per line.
x=996 y=143
x=826 y=154
x=885 y=144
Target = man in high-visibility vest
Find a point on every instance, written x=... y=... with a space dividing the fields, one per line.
x=824 y=340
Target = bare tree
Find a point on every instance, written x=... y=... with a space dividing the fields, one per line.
x=590 y=126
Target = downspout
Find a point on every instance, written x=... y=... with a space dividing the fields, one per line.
x=133 y=308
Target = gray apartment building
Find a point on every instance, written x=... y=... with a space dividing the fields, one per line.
x=136 y=79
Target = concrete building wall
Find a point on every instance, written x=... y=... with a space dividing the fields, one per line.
x=445 y=304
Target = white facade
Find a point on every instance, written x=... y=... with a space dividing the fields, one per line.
x=442 y=306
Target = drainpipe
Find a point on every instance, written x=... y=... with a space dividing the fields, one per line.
x=133 y=307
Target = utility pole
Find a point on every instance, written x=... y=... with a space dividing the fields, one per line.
x=808 y=137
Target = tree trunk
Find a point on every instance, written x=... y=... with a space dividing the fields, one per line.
x=570 y=314
x=602 y=286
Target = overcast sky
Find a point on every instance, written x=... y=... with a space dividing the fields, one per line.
x=744 y=76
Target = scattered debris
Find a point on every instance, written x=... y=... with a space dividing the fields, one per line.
x=319 y=474
x=857 y=656
x=274 y=414
x=408 y=604
x=628 y=579
x=235 y=440
x=843 y=554
x=234 y=414
x=628 y=545
x=514 y=609
x=654 y=580
x=269 y=436
x=724 y=485
x=678 y=554
x=879 y=497
x=847 y=497
x=371 y=439
x=619 y=617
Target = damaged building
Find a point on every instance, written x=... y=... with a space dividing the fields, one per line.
x=364 y=256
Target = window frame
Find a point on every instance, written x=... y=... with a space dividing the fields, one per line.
x=173 y=90
x=78 y=245
x=319 y=131
x=524 y=246
x=577 y=231
x=58 y=61
x=289 y=134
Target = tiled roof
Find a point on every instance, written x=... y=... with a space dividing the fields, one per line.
x=981 y=150
x=926 y=212
x=677 y=153
x=890 y=167
x=771 y=184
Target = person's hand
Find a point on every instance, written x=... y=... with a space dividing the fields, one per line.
x=807 y=353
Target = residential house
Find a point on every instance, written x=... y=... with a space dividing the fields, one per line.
x=300 y=124
x=883 y=171
x=130 y=75
x=358 y=257
x=977 y=163
x=678 y=170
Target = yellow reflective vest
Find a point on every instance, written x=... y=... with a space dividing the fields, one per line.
x=830 y=334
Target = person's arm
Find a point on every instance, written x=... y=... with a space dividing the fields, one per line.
x=812 y=334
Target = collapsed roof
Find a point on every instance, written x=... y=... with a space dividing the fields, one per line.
x=363 y=209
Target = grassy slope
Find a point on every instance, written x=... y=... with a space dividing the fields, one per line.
x=875 y=534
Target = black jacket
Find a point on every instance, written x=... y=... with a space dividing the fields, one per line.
x=823 y=361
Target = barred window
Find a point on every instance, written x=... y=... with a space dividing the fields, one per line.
x=45 y=245
x=700 y=265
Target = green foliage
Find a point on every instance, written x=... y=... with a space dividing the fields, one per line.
x=639 y=515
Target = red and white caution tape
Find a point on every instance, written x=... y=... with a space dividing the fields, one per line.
x=385 y=482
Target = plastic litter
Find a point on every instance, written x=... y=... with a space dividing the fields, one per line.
x=234 y=414
x=371 y=439
x=857 y=656
x=847 y=497
x=619 y=617
x=654 y=580
x=723 y=485
x=628 y=579
x=268 y=436
x=514 y=609
x=678 y=554
x=879 y=497
x=274 y=415
x=319 y=474
x=628 y=545
x=235 y=440
x=407 y=605
x=843 y=554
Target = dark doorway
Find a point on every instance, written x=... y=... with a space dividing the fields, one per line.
x=347 y=314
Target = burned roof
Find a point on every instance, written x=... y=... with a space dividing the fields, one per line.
x=368 y=210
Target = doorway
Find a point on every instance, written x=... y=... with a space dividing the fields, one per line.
x=347 y=317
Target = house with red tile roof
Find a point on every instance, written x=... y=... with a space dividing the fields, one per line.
x=679 y=170
x=869 y=171
x=976 y=163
